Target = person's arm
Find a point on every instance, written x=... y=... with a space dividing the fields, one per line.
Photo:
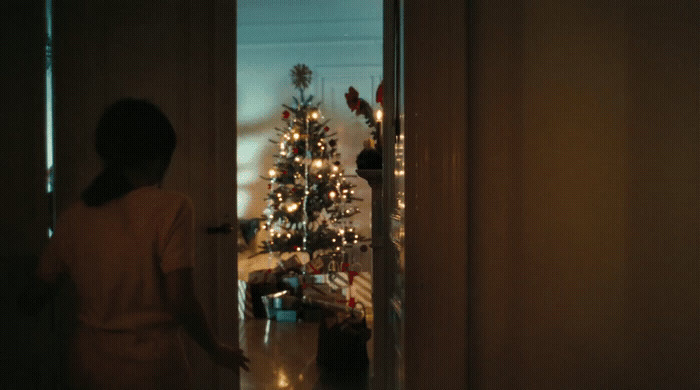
x=187 y=310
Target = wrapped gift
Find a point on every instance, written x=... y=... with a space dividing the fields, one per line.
x=291 y=264
x=257 y=292
x=291 y=283
x=262 y=276
x=285 y=315
x=278 y=302
x=315 y=278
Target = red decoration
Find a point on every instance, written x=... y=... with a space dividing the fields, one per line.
x=295 y=151
x=352 y=303
x=380 y=93
x=285 y=114
x=351 y=276
x=315 y=271
x=326 y=129
x=353 y=99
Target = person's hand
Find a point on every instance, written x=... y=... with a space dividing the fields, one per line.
x=231 y=358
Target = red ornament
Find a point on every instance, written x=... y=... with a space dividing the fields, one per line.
x=351 y=302
x=285 y=114
x=295 y=151
x=326 y=129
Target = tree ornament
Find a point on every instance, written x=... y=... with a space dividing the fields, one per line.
x=301 y=76
x=285 y=114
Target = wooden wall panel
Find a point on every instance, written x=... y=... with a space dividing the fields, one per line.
x=436 y=195
x=583 y=195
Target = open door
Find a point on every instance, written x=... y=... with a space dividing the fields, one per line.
x=181 y=56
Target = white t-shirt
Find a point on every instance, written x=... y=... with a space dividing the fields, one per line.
x=117 y=254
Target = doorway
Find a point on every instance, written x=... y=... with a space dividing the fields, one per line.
x=339 y=45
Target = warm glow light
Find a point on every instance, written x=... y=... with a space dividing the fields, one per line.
x=331 y=194
x=296 y=136
x=272 y=173
x=281 y=145
x=314 y=115
x=379 y=115
x=282 y=380
x=292 y=207
x=335 y=168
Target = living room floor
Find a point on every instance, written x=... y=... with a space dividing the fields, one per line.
x=283 y=356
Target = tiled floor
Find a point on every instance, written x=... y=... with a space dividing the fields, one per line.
x=283 y=356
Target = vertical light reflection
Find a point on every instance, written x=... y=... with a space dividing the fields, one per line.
x=266 y=338
x=49 y=114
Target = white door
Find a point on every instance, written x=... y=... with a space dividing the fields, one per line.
x=181 y=56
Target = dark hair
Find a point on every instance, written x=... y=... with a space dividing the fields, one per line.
x=129 y=134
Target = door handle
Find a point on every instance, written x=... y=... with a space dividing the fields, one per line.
x=225 y=228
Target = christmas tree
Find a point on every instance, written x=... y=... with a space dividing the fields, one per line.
x=309 y=202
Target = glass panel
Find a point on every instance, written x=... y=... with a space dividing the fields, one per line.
x=49 y=114
x=290 y=192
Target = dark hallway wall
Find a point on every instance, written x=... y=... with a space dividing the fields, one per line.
x=26 y=361
x=584 y=217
